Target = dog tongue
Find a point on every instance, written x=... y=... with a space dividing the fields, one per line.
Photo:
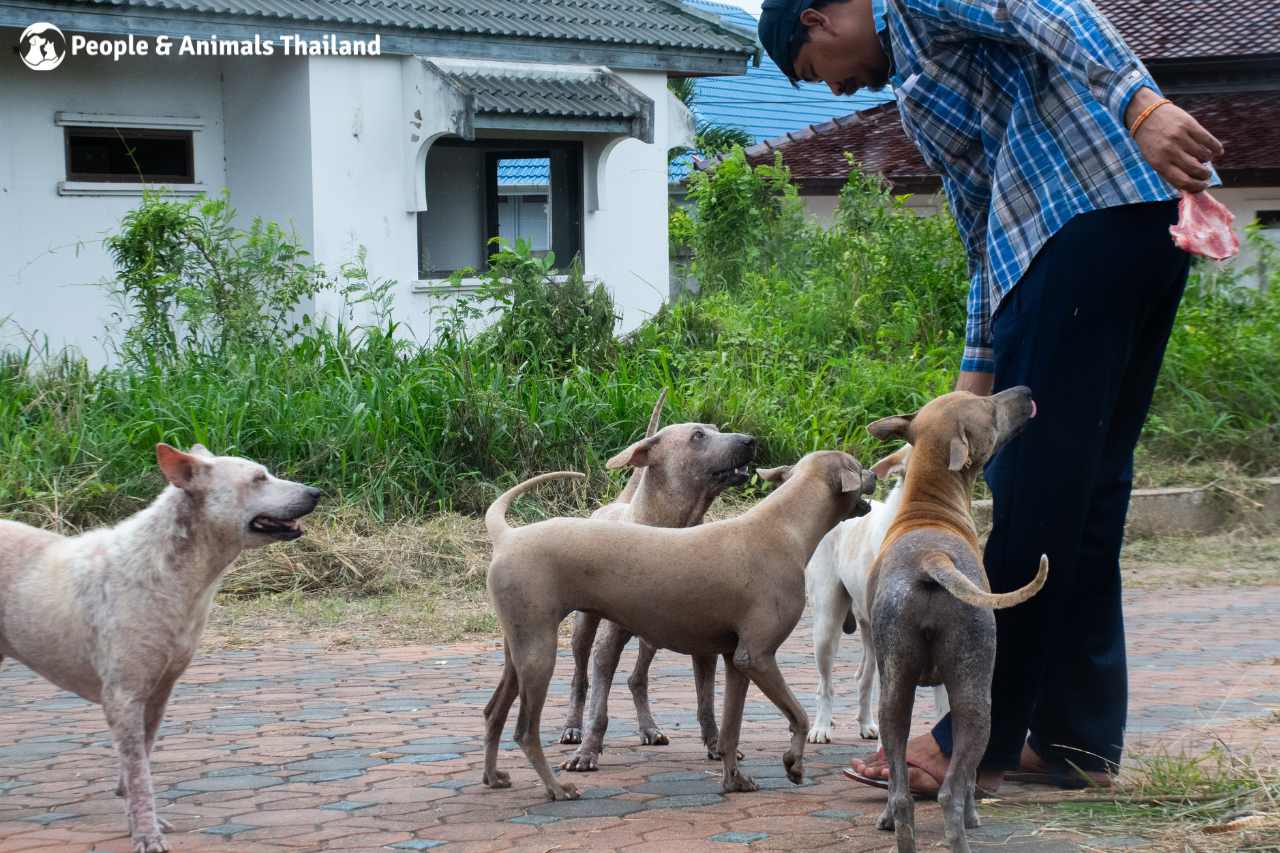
x=1033 y=408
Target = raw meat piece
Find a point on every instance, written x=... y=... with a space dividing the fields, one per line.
x=1204 y=227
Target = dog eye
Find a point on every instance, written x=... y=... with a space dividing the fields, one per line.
x=260 y=477
x=698 y=435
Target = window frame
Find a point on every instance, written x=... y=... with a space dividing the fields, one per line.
x=111 y=132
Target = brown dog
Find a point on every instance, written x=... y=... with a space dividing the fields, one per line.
x=931 y=605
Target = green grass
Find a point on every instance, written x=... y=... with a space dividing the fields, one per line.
x=802 y=336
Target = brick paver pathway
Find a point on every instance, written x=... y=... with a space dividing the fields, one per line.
x=298 y=748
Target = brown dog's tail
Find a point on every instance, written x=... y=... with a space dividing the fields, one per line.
x=940 y=567
x=633 y=485
x=495 y=518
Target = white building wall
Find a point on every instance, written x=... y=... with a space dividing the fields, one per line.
x=1245 y=202
x=52 y=261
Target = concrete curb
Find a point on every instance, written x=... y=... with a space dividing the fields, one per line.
x=1189 y=511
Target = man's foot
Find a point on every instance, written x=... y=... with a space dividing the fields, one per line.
x=1034 y=769
x=927 y=767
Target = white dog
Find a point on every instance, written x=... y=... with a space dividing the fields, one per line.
x=836 y=583
x=115 y=615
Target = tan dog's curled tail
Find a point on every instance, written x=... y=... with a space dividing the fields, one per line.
x=495 y=518
x=940 y=567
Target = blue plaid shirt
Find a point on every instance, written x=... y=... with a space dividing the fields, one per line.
x=1019 y=105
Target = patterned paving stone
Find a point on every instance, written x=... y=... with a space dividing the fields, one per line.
x=295 y=747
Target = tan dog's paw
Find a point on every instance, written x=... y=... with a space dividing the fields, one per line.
x=582 y=761
x=497 y=779
x=713 y=749
x=885 y=820
x=153 y=843
x=653 y=737
x=571 y=734
x=563 y=792
x=795 y=767
x=739 y=782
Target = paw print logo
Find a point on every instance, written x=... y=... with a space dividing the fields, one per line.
x=42 y=47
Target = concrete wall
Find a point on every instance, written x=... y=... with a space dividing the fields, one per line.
x=52 y=262
x=452 y=228
x=1245 y=202
x=822 y=208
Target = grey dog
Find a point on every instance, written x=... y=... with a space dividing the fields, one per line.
x=679 y=472
x=931 y=605
x=115 y=615
x=733 y=588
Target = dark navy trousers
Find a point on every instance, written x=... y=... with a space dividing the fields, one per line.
x=1085 y=329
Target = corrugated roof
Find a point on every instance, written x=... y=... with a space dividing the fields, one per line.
x=1247 y=124
x=1186 y=29
x=640 y=23
x=535 y=171
x=560 y=95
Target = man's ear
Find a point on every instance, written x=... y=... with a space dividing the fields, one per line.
x=179 y=468
x=959 y=453
x=635 y=456
x=813 y=18
x=774 y=475
x=894 y=426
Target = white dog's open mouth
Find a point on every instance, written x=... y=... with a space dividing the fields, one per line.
x=280 y=528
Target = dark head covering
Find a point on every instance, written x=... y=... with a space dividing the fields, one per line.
x=779 y=30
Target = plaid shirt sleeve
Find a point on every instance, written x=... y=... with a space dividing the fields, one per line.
x=1069 y=33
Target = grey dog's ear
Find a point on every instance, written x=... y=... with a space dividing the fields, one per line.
x=894 y=426
x=774 y=475
x=179 y=468
x=635 y=456
x=201 y=451
x=849 y=481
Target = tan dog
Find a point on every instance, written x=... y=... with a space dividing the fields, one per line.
x=115 y=615
x=733 y=588
x=931 y=605
x=678 y=473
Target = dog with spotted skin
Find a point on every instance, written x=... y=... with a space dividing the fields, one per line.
x=115 y=615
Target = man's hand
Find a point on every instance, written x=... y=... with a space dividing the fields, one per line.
x=976 y=383
x=1173 y=142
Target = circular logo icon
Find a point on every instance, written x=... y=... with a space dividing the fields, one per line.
x=42 y=47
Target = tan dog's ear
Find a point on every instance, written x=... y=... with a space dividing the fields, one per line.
x=849 y=481
x=178 y=468
x=774 y=475
x=201 y=451
x=894 y=426
x=635 y=456
x=894 y=462
x=959 y=453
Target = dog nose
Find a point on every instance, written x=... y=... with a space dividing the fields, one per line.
x=868 y=481
x=315 y=495
x=749 y=442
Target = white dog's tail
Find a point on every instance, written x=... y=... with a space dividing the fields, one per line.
x=940 y=567
x=633 y=485
x=495 y=518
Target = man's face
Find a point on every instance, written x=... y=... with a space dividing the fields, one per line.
x=843 y=49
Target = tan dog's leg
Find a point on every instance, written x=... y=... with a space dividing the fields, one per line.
x=604 y=663
x=763 y=670
x=639 y=683
x=126 y=717
x=704 y=683
x=495 y=718
x=897 y=695
x=584 y=634
x=534 y=656
x=735 y=697
x=970 y=730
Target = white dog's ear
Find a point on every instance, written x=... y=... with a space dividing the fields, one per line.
x=894 y=426
x=893 y=463
x=201 y=451
x=959 y=453
x=178 y=468
x=635 y=456
x=774 y=475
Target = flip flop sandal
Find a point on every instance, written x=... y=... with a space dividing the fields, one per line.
x=1066 y=779
x=883 y=784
